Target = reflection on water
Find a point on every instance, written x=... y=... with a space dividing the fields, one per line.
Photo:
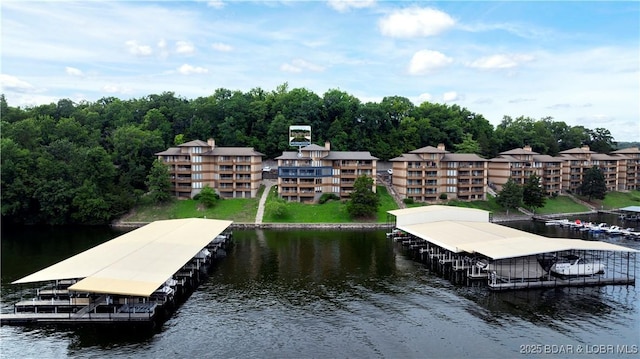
x=345 y=294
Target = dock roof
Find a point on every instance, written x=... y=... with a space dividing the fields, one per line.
x=138 y=262
x=461 y=230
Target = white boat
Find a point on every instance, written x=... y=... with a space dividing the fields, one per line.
x=573 y=265
x=523 y=268
x=558 y=222
x=602 y=227
x=395 y=233
x=613 y=230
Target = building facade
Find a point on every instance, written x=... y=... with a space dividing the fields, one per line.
x=520 y=163
x=423 y=175
x=628 y=168
x=304 y=175
x=233 y=172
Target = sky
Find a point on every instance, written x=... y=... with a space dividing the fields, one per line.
x=575 y=61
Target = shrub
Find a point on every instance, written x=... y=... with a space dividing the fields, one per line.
x=408 y=201
x=327 y=197
x=443 y=196
x=277 y=209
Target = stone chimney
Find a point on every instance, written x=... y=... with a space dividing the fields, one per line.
x=527 y=148
x=327 y=145
x=212 y=143
x=441 y=146
x=585 y=147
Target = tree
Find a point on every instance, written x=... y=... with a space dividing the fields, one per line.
x=364 y=202
x=158 y=182
x=533 y=195
x=510 y=196
x=468 y=145
x=277 y=209
x=593 y=184
x=208 y=196
x=601 y=140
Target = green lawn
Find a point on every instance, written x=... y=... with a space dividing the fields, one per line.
x=488 y=205
x=243 y=210
x=329 y=212
x=235 y=209
x=616 y=200
x=561 y=204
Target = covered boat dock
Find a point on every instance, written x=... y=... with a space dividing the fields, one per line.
x=463 y=244
x=135 y=277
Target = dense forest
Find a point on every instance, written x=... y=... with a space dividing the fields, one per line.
x=88 y=162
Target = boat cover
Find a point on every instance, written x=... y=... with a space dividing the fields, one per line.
x=138 y=262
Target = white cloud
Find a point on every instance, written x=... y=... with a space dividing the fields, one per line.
x=218 y=4
x=299 y=65
x=162 y=48
x=424 y=97
x=451 y=96
x=221 y=47
x=187 y=69
x=185 y=47
x=137 y=49
x=346 y=5
x=425 y=61
x=500 y=61
x=290 y=68
x=12 y=83
x=415 y=22
x=110 y=88
x=73 y=71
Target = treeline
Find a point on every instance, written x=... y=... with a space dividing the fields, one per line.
x=88 y=162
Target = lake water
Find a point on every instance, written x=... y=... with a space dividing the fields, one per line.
x=327 y=294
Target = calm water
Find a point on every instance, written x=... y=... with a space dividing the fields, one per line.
x=326 y=294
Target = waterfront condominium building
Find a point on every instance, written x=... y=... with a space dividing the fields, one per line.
x=580 y=159
x=423 y=175
x=628 y=168
x=520 y=163
x=233 y=172
x=304 y=175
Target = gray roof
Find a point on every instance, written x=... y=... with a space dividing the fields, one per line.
x=471 y=157
x=333 y=155
x=289 y=155
x=576 y=150
x=429 y=149
x=349 y=155
x=519 y=151
x=194 y=143
x=406 y=157
x=233 y=151
x=171 y=151
x=605 y=157
x=626 y=151
x=546 y=158
x=314 y=147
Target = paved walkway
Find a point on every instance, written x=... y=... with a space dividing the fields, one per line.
x=392 y=192
x=267 y=188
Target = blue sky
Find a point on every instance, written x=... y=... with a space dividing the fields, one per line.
x=578 y=62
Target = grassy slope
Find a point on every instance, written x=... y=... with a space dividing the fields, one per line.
x=244 y=210
x=329 y=212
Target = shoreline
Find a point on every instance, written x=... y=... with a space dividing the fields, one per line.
x=328 y=226
x=363 y=225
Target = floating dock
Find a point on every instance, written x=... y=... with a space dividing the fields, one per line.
x=137 y=278
x=465 y=247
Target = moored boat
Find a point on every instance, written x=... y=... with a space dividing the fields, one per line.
x=573 y=265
